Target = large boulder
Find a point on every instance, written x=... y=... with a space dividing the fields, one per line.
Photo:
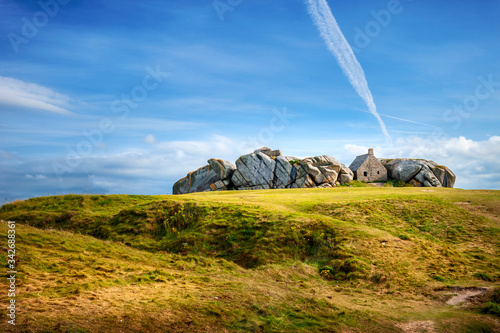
x=302 y=179
x=322 y=169
x=269 y=152
x=220 y=185
x=215 y=176
x=181 y=186
x=222 y=168
x=445 y=176
x=283 y=173
x=196 y=181
x=346 y=175
x=419 y=172
x=255 y=169
x=427 y=177
x=404 y=170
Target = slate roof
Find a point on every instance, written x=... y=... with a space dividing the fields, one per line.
x=358 y=161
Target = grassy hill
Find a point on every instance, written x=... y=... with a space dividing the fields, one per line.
x=307 y=260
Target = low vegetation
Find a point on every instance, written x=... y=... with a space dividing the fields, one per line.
x=345 y=259
x=396 y=183
x=493 y=305
x=354 y=183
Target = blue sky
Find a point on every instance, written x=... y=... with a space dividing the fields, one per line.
x=127 y=97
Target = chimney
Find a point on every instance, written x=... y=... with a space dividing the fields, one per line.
x=370 y=151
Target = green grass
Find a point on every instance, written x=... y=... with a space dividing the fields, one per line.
x=355 y=183
x=396 y=183
x=493 y=305
x=311 y=260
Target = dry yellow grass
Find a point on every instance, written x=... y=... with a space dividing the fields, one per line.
x=76 y=283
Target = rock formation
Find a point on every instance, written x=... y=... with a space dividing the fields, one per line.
x=213 y=176
x=265 y=169
x=269 y=169
x=419 y=172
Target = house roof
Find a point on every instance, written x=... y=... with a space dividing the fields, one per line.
x=358 y=161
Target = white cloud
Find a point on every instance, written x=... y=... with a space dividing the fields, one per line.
x=158 y=124
x=154 y=169
x=207 y=103
x=188 y=149
x=36 y=177
x=25 y=94
x=149 y=139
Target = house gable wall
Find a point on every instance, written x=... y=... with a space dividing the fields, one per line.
x=371 y=170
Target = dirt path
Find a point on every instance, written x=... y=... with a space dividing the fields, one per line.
x=418 y=327
x=464 y=294
x=375 y=184
x=459 y=295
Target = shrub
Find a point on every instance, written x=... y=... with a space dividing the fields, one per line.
x=496 y=295
x=355 y=183
x=483 y=276
x=438 y=278
x=492 y=308
x=396 y=183
x=348 y=269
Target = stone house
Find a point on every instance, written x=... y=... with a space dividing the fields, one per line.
x=368 y=168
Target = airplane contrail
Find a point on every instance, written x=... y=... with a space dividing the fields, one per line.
x=338 y=46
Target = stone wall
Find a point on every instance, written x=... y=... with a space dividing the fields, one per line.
x=371 y=170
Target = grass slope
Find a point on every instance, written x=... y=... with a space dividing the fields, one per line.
x=308 y=260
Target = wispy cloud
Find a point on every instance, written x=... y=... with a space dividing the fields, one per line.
x=200 y=149
x=406 y=120
x=30 y=95
x=400 y=119
x=340 y=48
x=36 y=177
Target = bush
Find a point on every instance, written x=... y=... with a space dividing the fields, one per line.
x=492 y=308
x=496 y=295
x=483 y=276
x=438 y=278
x=355 y=183
x=396 y=183
x=348 y=269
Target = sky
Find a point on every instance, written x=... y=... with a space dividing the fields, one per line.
x=129 y=96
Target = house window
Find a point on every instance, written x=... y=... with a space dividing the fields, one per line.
x=365 y=174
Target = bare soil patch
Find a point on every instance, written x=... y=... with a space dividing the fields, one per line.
x=461 y=295
x=418 y=327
